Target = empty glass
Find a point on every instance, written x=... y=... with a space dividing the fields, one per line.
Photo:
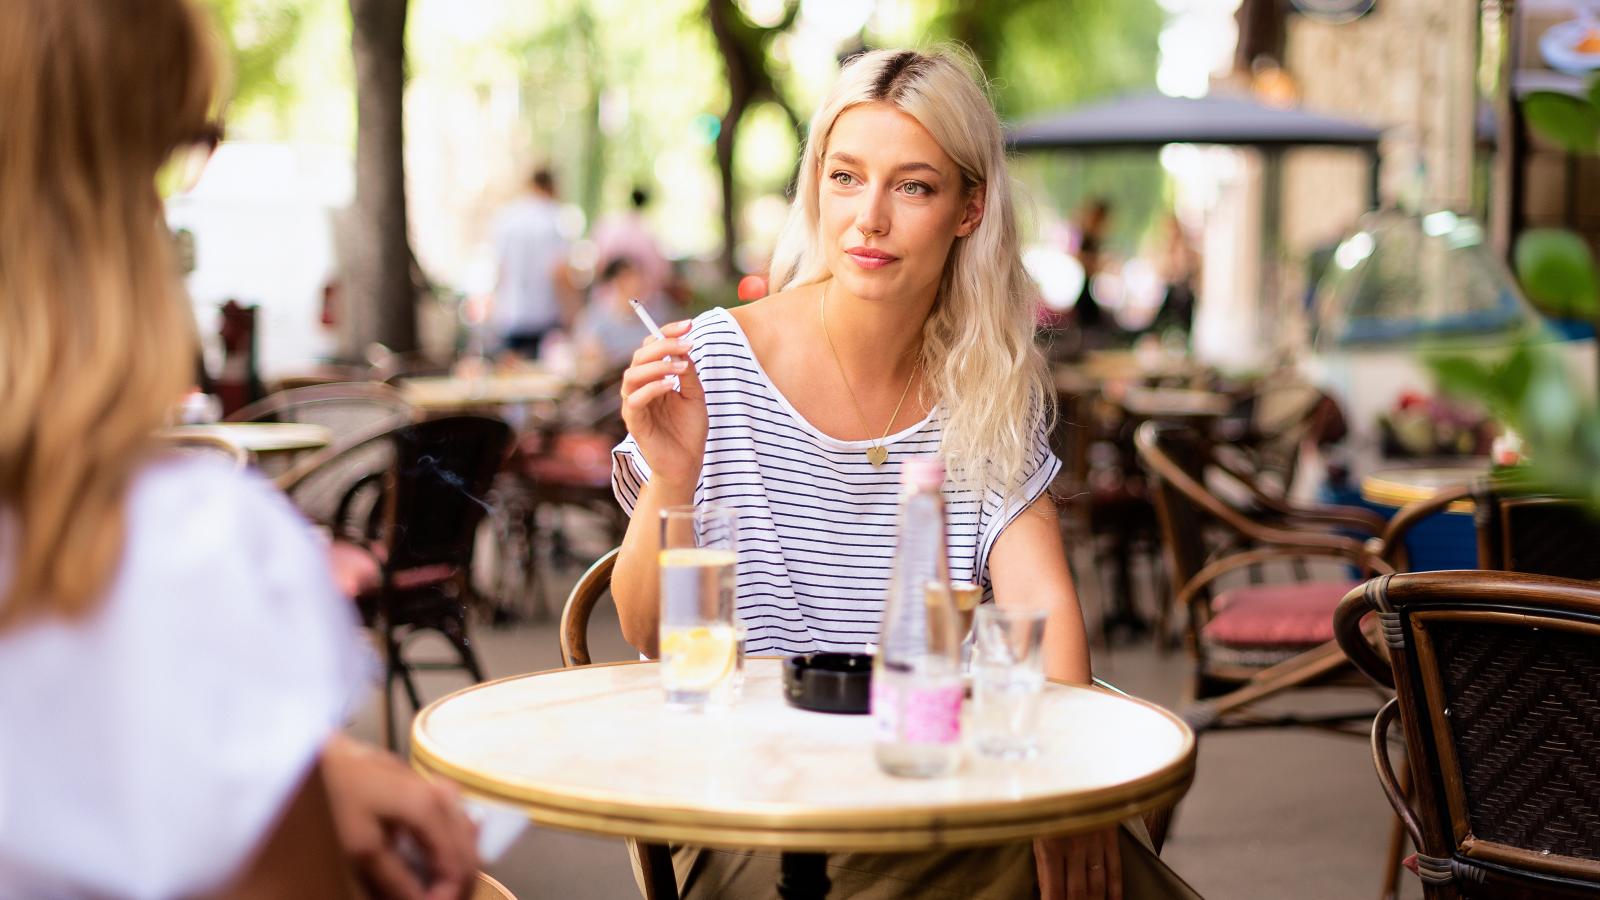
x=1007 y=679
x=700 y=643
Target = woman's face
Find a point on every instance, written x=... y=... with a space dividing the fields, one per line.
x=892 y=202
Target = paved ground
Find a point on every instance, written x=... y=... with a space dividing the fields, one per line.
x=1274 y=813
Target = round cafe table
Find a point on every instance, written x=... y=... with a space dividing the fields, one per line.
x=261 y=438
x=454 y=394
x=594 y=749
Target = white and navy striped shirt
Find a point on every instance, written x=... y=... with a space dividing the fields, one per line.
x=816 y=519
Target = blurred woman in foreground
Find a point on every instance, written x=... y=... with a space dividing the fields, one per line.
x=174 y=660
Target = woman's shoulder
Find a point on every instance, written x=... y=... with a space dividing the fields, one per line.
x=188 y=514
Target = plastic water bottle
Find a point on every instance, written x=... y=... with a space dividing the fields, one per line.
x=916 y=679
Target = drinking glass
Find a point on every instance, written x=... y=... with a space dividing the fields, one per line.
x=1007 y=679
x=700 y=643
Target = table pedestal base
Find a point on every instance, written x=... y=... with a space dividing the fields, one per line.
x=805 y=877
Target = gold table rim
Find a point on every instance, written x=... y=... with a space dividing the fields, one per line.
x=787 y=828
x=1380 y=487
x=314 y=436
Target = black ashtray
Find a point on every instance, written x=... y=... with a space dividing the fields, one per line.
x=829 y=682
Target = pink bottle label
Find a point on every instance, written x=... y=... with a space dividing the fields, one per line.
x=917 y=714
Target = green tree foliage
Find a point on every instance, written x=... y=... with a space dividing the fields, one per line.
x=258 y=35
x=1530 y=389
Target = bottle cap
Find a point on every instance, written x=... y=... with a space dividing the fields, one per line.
x=926 y=473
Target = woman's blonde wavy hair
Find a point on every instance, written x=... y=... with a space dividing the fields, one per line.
x=978 y=355
x=96 y=338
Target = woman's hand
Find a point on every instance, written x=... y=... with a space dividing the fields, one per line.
x=1086 y=867
x=380 y=806
x=669 y=426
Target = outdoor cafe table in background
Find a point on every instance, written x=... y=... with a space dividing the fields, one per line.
x=1174 y=403
x=455 y=394
x=262 y=438
x=595 y=749
x=1446 y=541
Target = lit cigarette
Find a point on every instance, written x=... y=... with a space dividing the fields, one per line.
x=655 y=331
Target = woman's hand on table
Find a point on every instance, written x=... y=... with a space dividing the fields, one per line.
x=1084 y=867
x=379 y=805
x=669 y=426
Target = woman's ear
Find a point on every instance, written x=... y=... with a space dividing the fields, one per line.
x=972 y=214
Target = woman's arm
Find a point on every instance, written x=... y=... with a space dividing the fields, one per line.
x=636 y=581
x=1028 y=567
x=670 y=429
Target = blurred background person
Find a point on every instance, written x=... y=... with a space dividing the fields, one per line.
x=533 y=290
x=608 y=331
x=175 y=663
x=628 y=236
x=1096 y=328
x=1178 y=263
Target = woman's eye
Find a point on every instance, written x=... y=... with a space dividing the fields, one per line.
x=916 y=189
x=843 y=179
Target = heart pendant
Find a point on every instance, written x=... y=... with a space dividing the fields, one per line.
x=877 y=454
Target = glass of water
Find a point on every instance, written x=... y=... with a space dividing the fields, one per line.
x=700 y=644
x=1007 y=679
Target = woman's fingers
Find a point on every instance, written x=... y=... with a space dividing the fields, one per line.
x=659 y=348
x=1113 y=848
x=639 y=400
x=1095 y=874
x=640 y=375
x=391 y=877
x=1077 y=864
x=1049 y=865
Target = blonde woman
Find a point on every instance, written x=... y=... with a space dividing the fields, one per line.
x=175 y=662
x=901 y=328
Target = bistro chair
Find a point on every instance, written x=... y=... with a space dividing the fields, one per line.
x=1254 y=641
x=207 y=445
x=341 y=408
x=1537 y=534
x=407 y=559
x=563 y=465
x=1497 y=690
x=486 y=888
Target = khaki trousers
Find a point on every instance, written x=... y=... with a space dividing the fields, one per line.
x=984 y=873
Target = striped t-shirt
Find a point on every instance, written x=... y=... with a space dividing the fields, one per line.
x=816 y=519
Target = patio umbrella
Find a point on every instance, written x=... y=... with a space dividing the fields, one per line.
x=1153 y=120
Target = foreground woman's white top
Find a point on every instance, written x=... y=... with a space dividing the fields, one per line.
x=816 y=519
x=146 y=750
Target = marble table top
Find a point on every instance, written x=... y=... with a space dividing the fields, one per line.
x=595 y=749
x=262 y=437
x=450 y=392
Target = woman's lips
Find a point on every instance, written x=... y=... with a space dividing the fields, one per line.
x=868 y=258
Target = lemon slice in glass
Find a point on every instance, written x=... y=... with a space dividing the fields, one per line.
x=696 y=659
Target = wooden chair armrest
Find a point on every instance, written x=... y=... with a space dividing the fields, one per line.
x=1354 y=639
x=1353 y=518
x=1350 y=551
x=1386 y=777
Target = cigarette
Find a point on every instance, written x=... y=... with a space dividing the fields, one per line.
x=655 y=332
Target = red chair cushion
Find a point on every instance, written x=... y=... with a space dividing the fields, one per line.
x=358 y=571
x=355 y=569
x=1276 y=615
x=579 y=459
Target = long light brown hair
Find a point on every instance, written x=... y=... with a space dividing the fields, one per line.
x=977 y=343
x=96 y=338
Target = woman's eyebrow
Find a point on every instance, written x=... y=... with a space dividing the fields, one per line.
x=849 y=160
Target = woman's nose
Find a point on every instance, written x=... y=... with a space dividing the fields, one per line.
x=873 y=216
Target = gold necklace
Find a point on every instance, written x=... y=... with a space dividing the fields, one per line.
x=877 y=454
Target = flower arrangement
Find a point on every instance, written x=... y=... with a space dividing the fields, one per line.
x=1422 y=426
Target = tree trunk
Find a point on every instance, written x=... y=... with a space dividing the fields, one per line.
x=379 y=291
x=735 y=59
